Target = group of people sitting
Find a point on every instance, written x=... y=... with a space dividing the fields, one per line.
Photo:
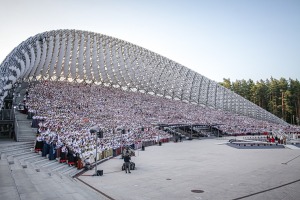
x=67 y=110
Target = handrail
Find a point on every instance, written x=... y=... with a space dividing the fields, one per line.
x=16 y=126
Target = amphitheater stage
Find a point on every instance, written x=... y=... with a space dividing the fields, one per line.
x=201 y=169
x=252 y=144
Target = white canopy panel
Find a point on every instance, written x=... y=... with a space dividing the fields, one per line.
x=75 y=55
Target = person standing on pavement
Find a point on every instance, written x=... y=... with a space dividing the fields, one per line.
x=127 y=163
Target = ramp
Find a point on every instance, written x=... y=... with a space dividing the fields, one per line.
x=289 y=146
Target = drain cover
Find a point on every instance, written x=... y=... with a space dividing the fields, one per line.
x=197 y=191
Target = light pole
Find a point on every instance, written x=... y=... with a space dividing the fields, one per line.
x=158 y=137
x=96 y=154
x=191 y=132
x=96 y=130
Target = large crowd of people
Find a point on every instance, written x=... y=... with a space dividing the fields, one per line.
x=66 y=111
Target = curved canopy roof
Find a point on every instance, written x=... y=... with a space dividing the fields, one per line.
x=76 y=55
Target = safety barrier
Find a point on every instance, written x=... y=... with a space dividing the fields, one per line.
x=105 y=154
x=259 y=138
x=117 y=151
x=99 y=155
x=17 y=131
x=108 y=153
x=165 y=140
x=79 y=164
x=138 y=145
x=255 y=145
x=149 y=143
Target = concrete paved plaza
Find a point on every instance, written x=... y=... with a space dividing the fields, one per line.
x=210 y=167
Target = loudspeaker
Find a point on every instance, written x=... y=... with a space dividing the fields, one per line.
x=99 y=172
x=94 y=129
x=100 y=134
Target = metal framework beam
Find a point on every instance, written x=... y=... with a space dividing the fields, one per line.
x=76 y=55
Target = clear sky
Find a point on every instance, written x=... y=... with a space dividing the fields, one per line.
x=236 y=39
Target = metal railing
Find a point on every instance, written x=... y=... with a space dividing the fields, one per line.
x=6 y=114
x=16 y=126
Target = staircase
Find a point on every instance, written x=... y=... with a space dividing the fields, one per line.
x=21 y=155
x=27 y=175
x=23 y=129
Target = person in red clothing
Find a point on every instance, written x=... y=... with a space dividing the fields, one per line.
x=272 y=139
x=63 y=154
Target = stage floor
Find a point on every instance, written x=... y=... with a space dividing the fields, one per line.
x=202 y=169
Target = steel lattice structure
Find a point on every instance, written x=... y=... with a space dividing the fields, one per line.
x=76 y=55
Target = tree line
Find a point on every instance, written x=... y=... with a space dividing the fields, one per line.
x=279 y=97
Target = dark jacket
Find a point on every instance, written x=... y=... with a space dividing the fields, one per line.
x=126 y=158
